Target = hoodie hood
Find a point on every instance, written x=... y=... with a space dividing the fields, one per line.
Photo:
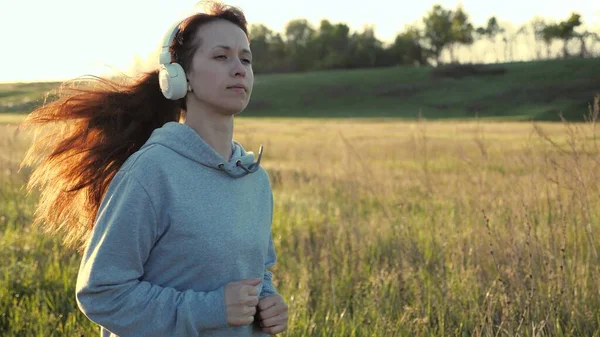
x=184 y=140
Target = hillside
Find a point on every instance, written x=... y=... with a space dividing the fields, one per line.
x=517 y=91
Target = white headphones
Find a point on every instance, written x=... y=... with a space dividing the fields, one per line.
x=171 y=76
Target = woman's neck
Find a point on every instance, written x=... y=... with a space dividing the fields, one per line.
x=214 y=128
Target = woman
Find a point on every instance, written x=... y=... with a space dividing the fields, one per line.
x=174 y=215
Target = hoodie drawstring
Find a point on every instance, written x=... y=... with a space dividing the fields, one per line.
x=250 y=169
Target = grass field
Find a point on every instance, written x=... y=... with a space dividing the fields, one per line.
x=528 y=90
x=11 y=118
x=382 y=228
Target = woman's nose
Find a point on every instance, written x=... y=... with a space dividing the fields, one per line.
x=239 y=69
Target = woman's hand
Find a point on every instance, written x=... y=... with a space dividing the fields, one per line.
x=273 y=314
x=241 y=300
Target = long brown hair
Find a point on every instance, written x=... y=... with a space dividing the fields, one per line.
x=85 y=135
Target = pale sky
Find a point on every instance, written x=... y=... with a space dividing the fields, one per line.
x=63 y=39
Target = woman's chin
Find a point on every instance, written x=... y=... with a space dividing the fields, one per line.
x=234 y=108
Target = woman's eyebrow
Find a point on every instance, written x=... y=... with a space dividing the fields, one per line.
x=229 y=48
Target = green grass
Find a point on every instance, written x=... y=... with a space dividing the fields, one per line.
x=382 y=228
x=538 y=90
x=23 y=97
x=534 y=90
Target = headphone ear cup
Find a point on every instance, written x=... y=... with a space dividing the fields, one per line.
x=172 y=81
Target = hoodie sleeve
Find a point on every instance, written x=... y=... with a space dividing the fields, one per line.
x=268 y=287
x=109 y=288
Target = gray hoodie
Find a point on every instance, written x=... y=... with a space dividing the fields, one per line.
x=174 y=227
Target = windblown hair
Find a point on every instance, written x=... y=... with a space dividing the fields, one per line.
x=84 y=136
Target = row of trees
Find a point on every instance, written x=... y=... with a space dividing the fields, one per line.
x=442 y=32
x=332 y=46
x=564 y=31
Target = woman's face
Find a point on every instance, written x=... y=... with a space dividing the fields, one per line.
x=221 y=74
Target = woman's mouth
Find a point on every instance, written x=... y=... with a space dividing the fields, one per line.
x=237 y=88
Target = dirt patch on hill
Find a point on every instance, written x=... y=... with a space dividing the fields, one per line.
x=464 y=70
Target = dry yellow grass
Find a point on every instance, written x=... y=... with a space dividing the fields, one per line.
x=389 y=228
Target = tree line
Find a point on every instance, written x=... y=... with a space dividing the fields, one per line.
x=303 y=47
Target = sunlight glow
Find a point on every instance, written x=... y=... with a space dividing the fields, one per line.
x=64 y=39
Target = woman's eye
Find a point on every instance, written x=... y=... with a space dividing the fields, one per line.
x=224 y=57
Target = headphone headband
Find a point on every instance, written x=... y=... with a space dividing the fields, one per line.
x=165 y=54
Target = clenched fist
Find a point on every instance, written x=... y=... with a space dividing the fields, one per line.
x=241 y=299
x=273 y=314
